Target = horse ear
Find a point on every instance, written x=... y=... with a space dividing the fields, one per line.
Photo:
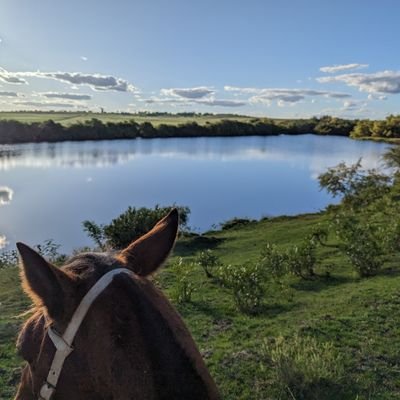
x=44 y=283
x=148 y=253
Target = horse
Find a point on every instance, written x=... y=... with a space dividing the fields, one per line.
x=101 y=330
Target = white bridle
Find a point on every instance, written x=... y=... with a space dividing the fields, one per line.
x=63 y=343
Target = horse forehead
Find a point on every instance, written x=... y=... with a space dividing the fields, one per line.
x=88 y=263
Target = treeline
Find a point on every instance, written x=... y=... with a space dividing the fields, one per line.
x=49 y=131
x=388 y=128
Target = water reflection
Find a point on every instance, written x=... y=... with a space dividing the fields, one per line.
x=60 y=185
x=307 y=148
x=6 y=195
x=3 y=242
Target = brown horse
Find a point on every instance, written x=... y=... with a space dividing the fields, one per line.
x=131 y=344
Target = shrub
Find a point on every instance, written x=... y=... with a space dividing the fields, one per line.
x=236 y=223
x=357 y=187
x=183 y=288
x=209 y=262
x=246 y=283
x=273 y=262
x=130 y=225
x=301 y=259
x=304 y=368
x=362 y=242
x=298 y=260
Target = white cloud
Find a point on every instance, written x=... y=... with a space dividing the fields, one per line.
x=190 y=102
x=6 y=195
x=165 y=100
x=8 y=94
x=67 y=96
x=83 y=58
x=380 y=82
x=222 y=103
x=354 y=105
x=283 y=96
x=372 y=96
x=9 y=77
x=45 y=104
x=95 y=81
x=332 y=69
x=188 y=93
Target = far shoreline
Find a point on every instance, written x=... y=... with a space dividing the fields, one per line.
x=94 y=127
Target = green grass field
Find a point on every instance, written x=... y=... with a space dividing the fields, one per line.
x=69 y=118
x=360 y=317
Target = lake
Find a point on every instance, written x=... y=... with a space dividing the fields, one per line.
x=47 y=190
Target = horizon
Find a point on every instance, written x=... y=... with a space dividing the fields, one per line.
x=261 y=59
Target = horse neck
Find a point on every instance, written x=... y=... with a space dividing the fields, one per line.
x=178 y=369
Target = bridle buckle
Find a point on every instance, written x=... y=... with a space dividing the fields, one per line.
x=46 y=391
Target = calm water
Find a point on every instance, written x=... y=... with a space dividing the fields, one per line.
x=47 y=190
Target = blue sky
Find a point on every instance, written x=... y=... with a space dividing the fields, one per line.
x=286 y=58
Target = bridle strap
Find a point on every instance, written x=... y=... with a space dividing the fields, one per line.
x=63 y=343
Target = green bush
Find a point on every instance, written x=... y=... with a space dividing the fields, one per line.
x=304 y=368
x=235 y=223
x=301 y=260
x=208 y=261
x=130 y=225
x=362 y=242
x=273 y=262
x=183 y=288
x=247 y=284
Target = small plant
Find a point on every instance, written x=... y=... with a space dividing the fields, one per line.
x=301 y=259
x=49 y=250
x=184 y=287
x=298 y=260
x=209 y=262
x=246 y=283
x=304 y=368
x=273 y=262
x=95 y=232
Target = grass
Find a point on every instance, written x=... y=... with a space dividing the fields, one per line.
x=69 y=118
x=358 y=319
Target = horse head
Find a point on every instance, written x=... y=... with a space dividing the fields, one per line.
x=130 y=342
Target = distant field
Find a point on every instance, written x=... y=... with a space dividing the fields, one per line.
x=69 y=118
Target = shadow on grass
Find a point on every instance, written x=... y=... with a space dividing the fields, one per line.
x=218 y=313
x=272 y=310
x=326 y=389
x=321 y=283
x=190 y=246
x=391 y=272
x=208 y=309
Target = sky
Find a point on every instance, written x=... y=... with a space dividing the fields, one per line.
x=286 y=58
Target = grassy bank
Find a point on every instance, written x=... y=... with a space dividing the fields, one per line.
x=359 y=317
x=70 y=118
